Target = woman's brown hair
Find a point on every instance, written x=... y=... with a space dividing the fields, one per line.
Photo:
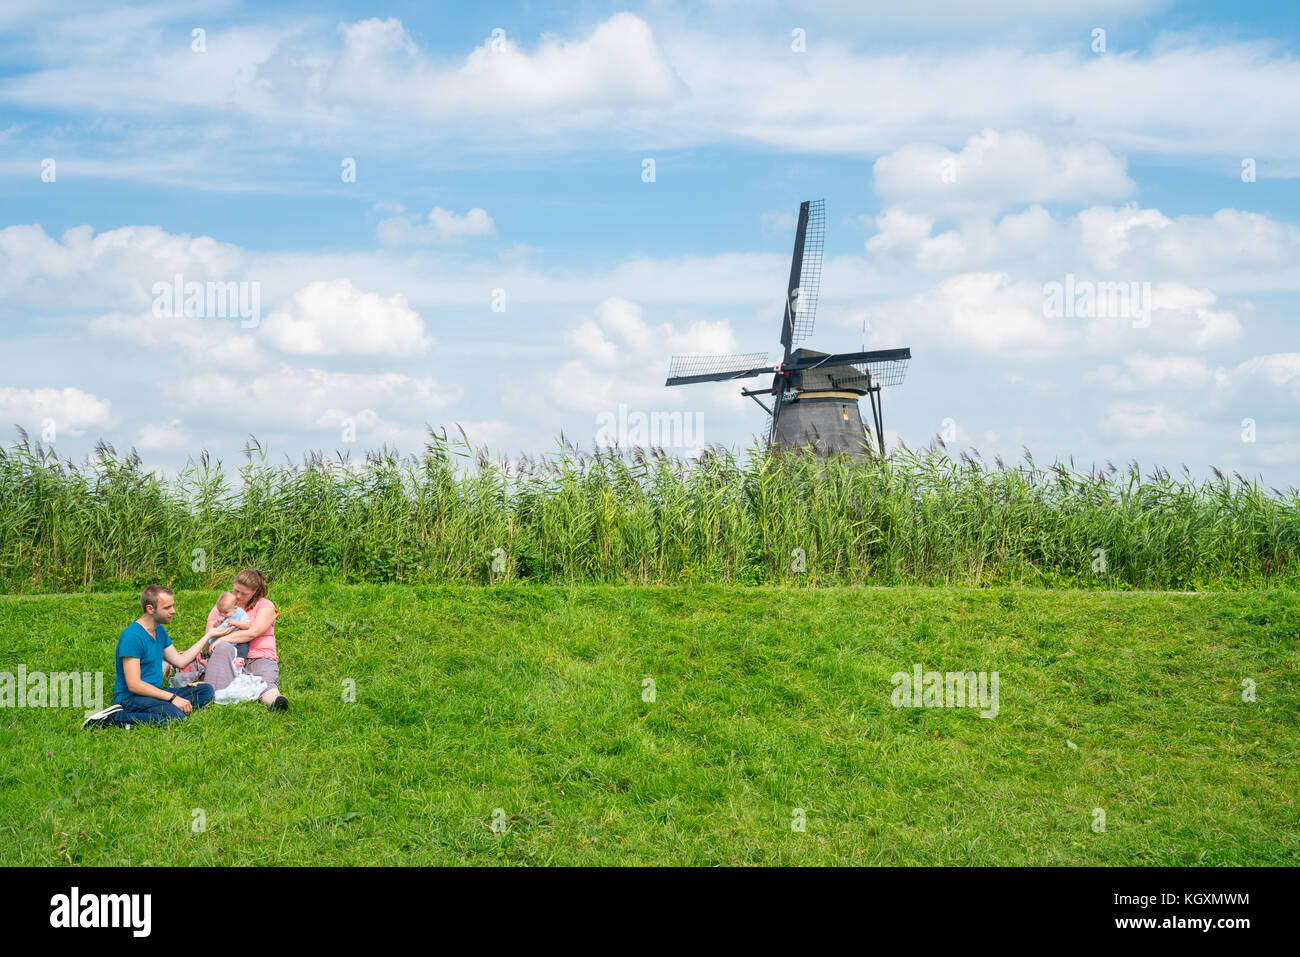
x=252 y=578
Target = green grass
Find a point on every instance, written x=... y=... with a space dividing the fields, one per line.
x=451 y=516
x=529 y=699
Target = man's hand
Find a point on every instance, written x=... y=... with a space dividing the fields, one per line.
x=183 y=704
x=217 y=631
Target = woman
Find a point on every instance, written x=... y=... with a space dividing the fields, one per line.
x=250 y=593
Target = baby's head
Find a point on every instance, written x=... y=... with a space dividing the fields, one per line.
x=226 y=603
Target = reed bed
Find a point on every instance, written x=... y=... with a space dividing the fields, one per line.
x=453 y=514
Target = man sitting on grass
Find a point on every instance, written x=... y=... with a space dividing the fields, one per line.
x=139 y=695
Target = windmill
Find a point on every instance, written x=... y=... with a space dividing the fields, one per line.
x=815 y=394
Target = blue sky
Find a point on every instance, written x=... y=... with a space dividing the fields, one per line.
x=968 y=159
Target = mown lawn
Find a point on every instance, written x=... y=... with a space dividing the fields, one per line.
x=529 y=699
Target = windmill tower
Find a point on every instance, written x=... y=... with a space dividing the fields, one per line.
x=814 y=394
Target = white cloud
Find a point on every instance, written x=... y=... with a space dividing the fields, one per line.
x=314 y=399
x=961 y=14
x=1180 y=317
x=1281 y=370
x=1143 y=372
x=617 y=63
x=1153 y=420
x=1249 y=250
x=170 y=437
x=212 y=342
x=630 y=358
x=1177 y=99
x=589 y=339
x=334 y=318
x=70 y=410
x=1230 y=250
x=442 y=227
x=987 y=312
x=997 y=171
x=124 y=263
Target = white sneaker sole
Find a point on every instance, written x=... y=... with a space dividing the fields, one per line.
x=100 y=717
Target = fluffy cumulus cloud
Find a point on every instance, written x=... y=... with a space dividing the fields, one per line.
x=122 y=265
x=1137 y=315
x=168 y=436
x=218 y=374
x=333 y=318
x=66 y=411
x=622 y=358
x=989 y=313
x=1279 y=371
x=1247 y=250
x=618 y=62
x=996 y=171
x=1271 y=380
x=996 y=316
x=1228 y=250
x=316 y=400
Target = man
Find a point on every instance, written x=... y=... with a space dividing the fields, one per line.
x=138 y=694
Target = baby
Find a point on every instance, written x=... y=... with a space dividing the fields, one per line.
x=232 y=614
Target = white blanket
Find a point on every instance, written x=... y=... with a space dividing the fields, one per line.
x=245 y=687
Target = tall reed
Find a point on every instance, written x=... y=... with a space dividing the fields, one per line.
x=451 y=514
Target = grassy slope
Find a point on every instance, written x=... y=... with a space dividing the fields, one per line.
x=529 y=699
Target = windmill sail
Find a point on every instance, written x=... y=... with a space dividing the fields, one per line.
x=853 y=371
x=683 y=370
x=805 y=274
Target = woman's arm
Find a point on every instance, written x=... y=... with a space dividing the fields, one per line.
x=261 y=623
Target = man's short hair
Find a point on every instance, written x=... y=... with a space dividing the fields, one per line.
x=151 y=595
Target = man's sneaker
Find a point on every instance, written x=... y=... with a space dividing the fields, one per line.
x=281 y=703
x=101 y=718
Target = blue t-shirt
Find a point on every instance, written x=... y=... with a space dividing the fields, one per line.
x=135 y=642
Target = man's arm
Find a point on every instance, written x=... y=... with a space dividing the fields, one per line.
x=137 y=685
x=182 y=659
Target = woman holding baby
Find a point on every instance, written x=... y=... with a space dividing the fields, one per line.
x=258 y=633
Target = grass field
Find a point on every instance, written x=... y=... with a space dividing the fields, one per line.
x=529 y=699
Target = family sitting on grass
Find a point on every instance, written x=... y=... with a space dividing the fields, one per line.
x=240 y=636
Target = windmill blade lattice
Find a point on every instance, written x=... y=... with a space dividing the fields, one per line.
x=681 y=367
x=883 y=373
x=810 y=274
